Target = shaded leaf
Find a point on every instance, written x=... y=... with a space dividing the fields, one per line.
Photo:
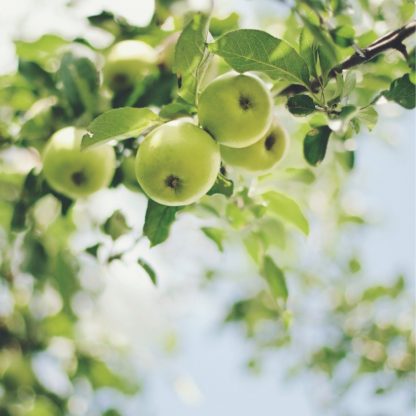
x=157 y=222
x=149 y=270
x=300 y=105
x=402 y=91
x=191 y=57
x=275 y=279
x=222 y=186
x=315 y=144
x=116 y=225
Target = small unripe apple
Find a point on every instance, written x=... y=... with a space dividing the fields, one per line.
x=177 y=163
x=74 y=172
x=236 y=109
x=262 y=155
x=127 y=62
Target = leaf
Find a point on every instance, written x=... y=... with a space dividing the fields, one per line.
x=119 y=124
x=79 y=82
x=315 y=144
x=324 y=47
x=40 y=50
x=217 y=235
x=219 y=26
x=402 y=91
x=300 y=105
x=116 y=225
x=255 y=50
x=343 y=35
x=254 y=245
x=275 y=279
x=286 y=208
x=222 y=186
x=149 y=270
x=157 y=222
x=176 y=109
x=368 y=116
x=191 y=57
x=308 y=50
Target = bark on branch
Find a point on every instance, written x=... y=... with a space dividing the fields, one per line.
x=393 y=40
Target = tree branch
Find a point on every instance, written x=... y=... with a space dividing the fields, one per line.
x=393 y=40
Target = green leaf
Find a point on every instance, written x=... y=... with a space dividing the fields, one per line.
x=308 y=50
x=176 y=109
x=157 y=222
x=275 y=279
x=287 y=209
x=191 y=57
x=300 y=105
x=343 y=35
x=149 y=270
x=116 y=225
x=217 y=235
x=219 y=26
x=254 y=244
x=79 y=82
x=315 y=144
x=40 y=50
x=119 y=124
x=402 y=91
x=222 y=186
x=255 y=50
x=324 y=47
x=368 y=116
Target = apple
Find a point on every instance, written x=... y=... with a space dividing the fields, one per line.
x=236 y=109
x=262 y=155
x=127 y=62
x=177 y=163
x=73 y=172
x=128 y=172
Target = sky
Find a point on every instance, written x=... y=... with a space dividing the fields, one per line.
x=207 y=374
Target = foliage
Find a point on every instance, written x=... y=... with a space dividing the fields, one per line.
x=58 y=83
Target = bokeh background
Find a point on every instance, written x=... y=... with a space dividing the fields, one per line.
x=172 y=338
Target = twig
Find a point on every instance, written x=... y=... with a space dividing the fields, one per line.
x=393 y=40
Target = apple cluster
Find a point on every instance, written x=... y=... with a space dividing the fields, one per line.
x=179 y=161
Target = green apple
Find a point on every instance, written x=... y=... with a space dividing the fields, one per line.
x=177 y=163
x=236 y=109
x=127 y=62
x=73 y=172
x=262 y=155
x=128 y=171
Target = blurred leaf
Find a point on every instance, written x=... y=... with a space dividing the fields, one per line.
x=220 y=26
x=217 y=235
x=36 y=75
x=116 y=225
x=300 y=105
x=255 y=50
x=286 y=208
x=119 y=124
x=343 y=35
x=149 y=270
x=402 y=91
x=368 y=116
x=315 y=144
x=254 y=245
x=157 y=222
x=79 y=82
x=191 y=57
x=275 y=279
x=40 y=50
x=222 y=186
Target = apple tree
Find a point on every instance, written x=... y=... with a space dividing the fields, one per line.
x=202 y=117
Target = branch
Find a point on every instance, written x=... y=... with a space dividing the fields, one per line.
x=393 y=40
